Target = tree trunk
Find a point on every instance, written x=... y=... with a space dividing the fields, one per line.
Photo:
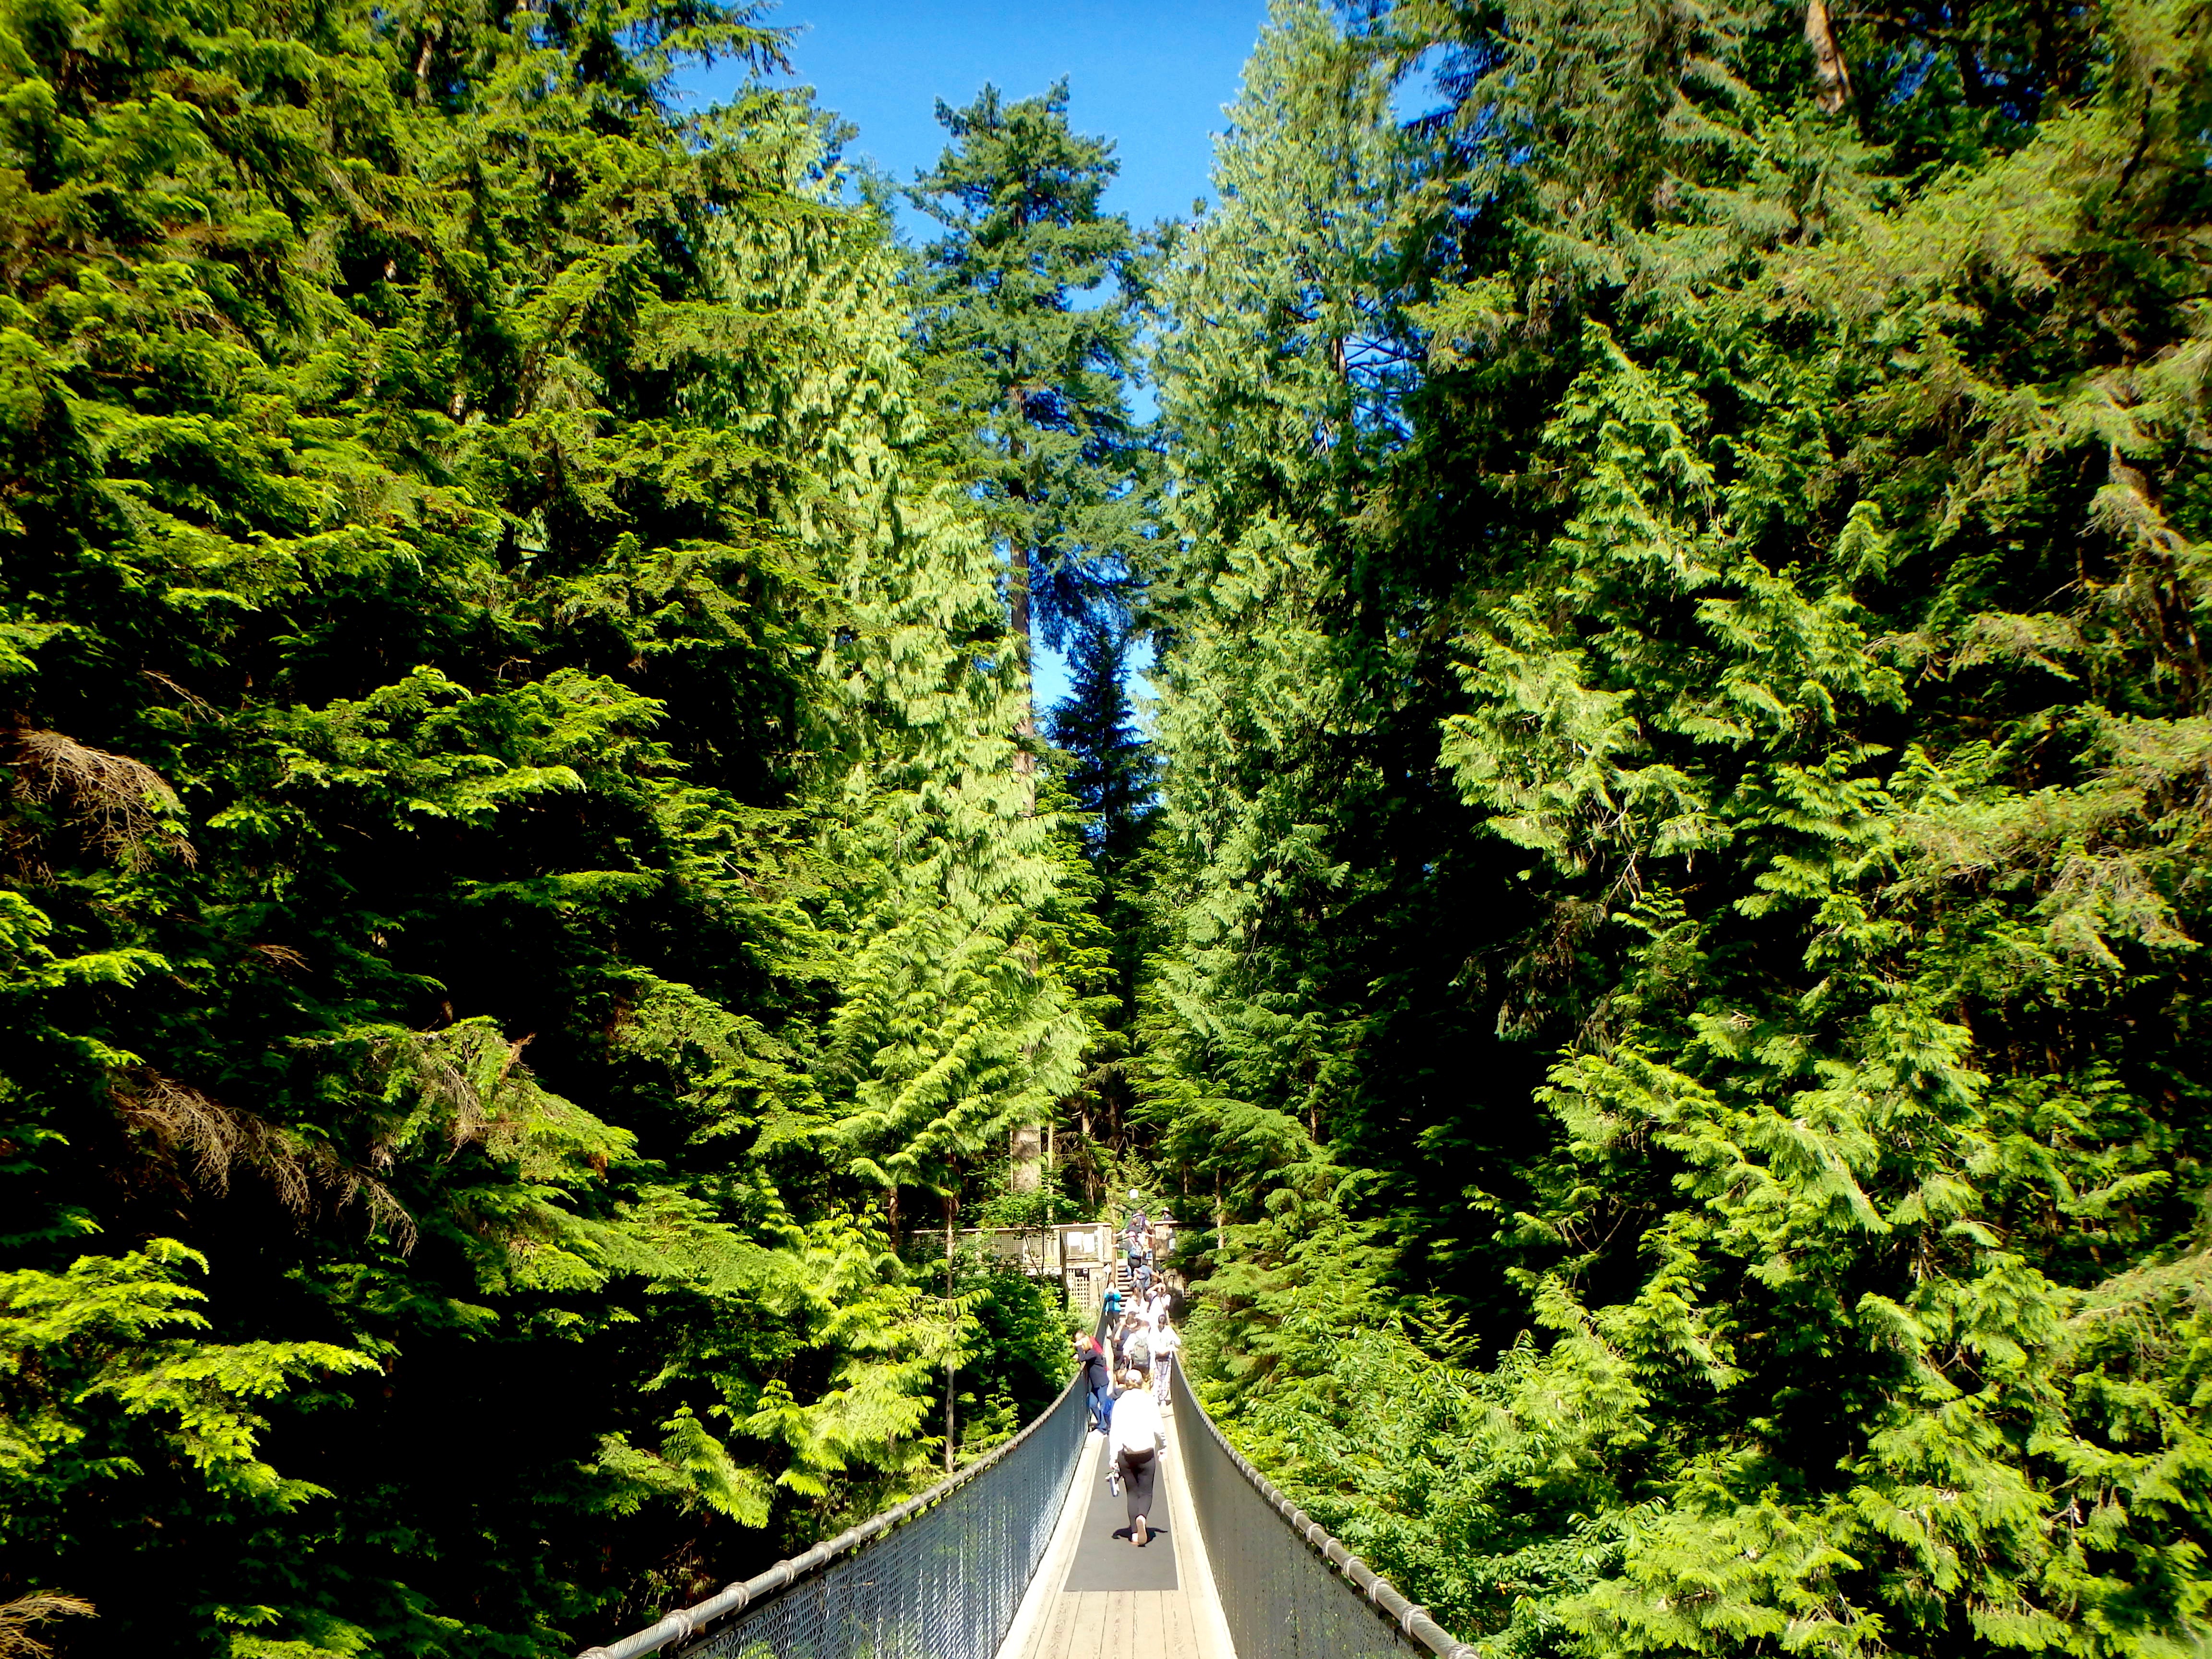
x=1020 y=578
x=1025 y=726
x=1021 y=573
x=1834 y=74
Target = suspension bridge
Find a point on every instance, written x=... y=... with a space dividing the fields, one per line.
x=1016 y=1557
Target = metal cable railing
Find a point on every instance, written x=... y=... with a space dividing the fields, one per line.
x=1287 y=1588
x=938 y=1577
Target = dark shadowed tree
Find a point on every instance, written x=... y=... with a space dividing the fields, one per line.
x=1112 y=773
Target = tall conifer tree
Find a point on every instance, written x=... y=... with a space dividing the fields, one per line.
x=1026 y=325
x=1031 y=362
x=1112 y=775
x=1314 y=874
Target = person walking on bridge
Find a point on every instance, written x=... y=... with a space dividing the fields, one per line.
x=1137 y=1345
x=1097 y=1380
x=1157 y=1306
x=1138 y=1442
x=1165 y=1343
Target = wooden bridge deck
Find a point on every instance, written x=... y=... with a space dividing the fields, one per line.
x=1096 y=1597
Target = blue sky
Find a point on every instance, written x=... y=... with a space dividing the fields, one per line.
x=1151 y=76
x=1148 y=74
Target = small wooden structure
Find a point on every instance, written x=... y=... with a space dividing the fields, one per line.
x=1083 y=1255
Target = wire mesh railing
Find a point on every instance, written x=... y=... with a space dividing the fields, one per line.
x=1287 y=1588
x=938 y=1577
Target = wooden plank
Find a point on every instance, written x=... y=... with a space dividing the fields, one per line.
x=1056 y=1630
x=1178 y=1627
x=1147 y=1614
x=1087 y=1635
x=1121 y=1622
x=1118 y=1624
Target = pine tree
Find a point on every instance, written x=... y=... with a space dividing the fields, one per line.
x=1032 y=381
x=1111 y=774
x=1317 y=872
x=1033 y=364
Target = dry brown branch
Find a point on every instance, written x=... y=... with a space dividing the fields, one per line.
x=192 y=699
x=121 y=801
x=437 y=1071
x=446 y=1066
x=219 y=1140
x=19 y=1618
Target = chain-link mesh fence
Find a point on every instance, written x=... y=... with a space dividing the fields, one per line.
x=941 y=1576
x=1287 y=1588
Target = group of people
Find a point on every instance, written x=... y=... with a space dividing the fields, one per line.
x=1138 y=1354
x=1144 y=1338
x=1142 y=1243
x=1130 y=1418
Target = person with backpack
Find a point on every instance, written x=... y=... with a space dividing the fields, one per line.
x=1137 y=1442
x=1137 y=1352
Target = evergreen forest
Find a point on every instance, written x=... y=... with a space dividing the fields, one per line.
x=1627 y=846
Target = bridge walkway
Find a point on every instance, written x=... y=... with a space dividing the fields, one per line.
x=1016 y=1557
x=1097 y=1596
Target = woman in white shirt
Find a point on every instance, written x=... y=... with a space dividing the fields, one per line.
x=1165 y=1345
x=1138 y=1442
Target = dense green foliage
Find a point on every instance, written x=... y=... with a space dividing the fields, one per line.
x=514 y=851
x=1661 y=905
x=1684 y=733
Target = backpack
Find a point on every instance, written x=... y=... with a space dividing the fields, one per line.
x=1140 y=1350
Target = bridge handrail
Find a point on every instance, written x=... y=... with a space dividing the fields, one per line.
x=682 y=1625
x=1383 y=1598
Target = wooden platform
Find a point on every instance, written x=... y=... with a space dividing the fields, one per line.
x=1117 y=1624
